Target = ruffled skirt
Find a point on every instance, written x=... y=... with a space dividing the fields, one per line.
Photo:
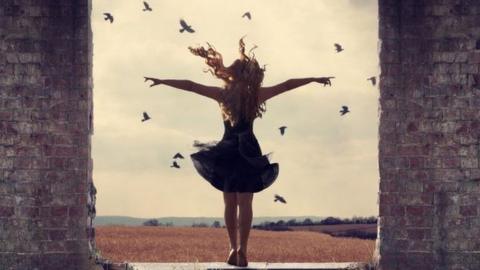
x=235 y=164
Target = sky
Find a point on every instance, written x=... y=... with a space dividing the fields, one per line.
x=328 y=163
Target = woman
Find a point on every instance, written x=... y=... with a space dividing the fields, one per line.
x=235 y=165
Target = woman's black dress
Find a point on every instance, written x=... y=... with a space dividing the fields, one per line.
x=236 y=163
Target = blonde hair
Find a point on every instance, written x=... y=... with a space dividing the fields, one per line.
x=243 y=78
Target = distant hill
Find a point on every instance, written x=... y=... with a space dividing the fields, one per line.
x=187 y=221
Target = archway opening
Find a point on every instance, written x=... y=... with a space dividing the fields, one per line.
x=329 y=162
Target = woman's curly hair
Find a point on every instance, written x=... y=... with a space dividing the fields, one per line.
x=243 y=78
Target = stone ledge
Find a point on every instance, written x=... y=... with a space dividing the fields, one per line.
x=251 y=265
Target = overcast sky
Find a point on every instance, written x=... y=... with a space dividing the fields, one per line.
x=328 y=163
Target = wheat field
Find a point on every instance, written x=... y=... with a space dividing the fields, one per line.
x=187 y=244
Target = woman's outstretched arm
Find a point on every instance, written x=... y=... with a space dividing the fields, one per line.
x=269 y=92
x=207 y=91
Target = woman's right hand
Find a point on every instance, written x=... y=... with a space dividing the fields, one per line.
x=154 y=81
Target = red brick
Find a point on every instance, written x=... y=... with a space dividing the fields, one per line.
x=76 y=211
x=36 y=100
x=28 y=212
x=45 y=212
x=6 y=211
x=59 y=211
x=57 y=163
x=415 y=210
x=412 y=127
x=418 y=234
x=450 y=162
x=388 y=198
x=468 y=210
x=64 y=151
x=397 y=210
x=53 y=246
x=5 y=115
x=416 y=162
x=474 y=58
x=463 y=129
x=56 y=235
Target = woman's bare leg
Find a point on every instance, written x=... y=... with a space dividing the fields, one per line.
x=245 y=222
x=230 y=215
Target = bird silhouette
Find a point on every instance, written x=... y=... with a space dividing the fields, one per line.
x=373 y=80
x=279 y=198
x=185 y=27
x=145 y=117
x=147 y=6
x=344 y=110
x=282 y=130
x=108 y=17
x=175 y=165
x=338 y=47
x=178 y=155
x=248 y=15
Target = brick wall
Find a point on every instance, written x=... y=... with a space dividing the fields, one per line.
x=428 y=149
x=45 y=130
x=429 y=135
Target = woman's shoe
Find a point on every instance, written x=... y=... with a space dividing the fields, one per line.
x=232 y=257
x=242 y=258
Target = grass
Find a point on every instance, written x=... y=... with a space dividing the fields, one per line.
x=364 y=231
x=186 y=244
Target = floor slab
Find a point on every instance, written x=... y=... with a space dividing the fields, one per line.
x=251 y=265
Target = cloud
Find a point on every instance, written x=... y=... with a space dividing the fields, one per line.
x=326 y=160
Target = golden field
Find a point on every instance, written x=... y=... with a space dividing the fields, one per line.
x=187 y=244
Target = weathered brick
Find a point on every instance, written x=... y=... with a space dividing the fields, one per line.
x=6 y=163
x=76 y=211
x=6 y=211
x=59 y=211
x=469 y=162
x=450 y=162
x=28 y=212
x=57 y=235
x=474 y=58
x=427 y=98
x=12 y=58
x=37 y=75
x=415 y=210
x=469 y=210
x=419 y=234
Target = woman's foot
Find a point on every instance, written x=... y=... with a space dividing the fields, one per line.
x=242 y=258
x=232 y=257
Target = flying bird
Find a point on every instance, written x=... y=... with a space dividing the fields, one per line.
x=279 y=198
x=282 y=130
x=338 y=47
x=344 y=110
x=185 y=27
x=145 y=117
x=248 y=15
x=147 y=6
x=108 y=17
x=175 y=165
x=178 y=155
x=373 y=80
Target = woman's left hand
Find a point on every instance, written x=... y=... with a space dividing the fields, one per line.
x=324 y=80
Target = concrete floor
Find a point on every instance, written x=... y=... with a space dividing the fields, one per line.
x=251 y=265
